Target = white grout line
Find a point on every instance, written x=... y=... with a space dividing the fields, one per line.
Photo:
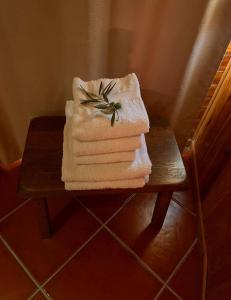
x=125 y=246
x=180 y=263
x=121 y=207
x=15 y=209
x=47 y=296
x=40 y=287
x=8 y=247
x=91 y=213
x=185 y=208
x=32 y=296
x=72 y=256
x=67 y=261
x=164 y=287
x=126 y=201
x=103 y=225
x=183 y=259
x=139 y=260
x=174 y=293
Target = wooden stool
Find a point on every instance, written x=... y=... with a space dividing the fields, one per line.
x=41 y=169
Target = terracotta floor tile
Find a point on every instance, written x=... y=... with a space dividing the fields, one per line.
x=103 y=270
x=60 y=205
x=8 y=187
x=14 y=283
x=44 y=256
x=221 y=292
x=167 y=295
x=104 y=206
x=39 y=296
x=217 y=216
x=187 y=282
x=163 y=250
x=186 y=199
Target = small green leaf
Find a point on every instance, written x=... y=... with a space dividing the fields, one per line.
x=100 y=87
x=110 y=89
x=107 y=111
x=107 y=87
x=113 y=119
x=90 y=95
x=106 y=107
x=88 y=101
x=84 y=91
x=117 y=105
x=101 y=106
x=82 y=88
x=105 y=97
x=117 y=114
x=94 y=96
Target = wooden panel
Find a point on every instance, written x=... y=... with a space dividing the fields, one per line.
x=213 y=153
x=200 y=223
x=217 y=223
x=217 y=77
x=213 y=134
x=223 y=65
x=224 y=61
x=211 y=90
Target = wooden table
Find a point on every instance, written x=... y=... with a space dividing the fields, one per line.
x=41 y=169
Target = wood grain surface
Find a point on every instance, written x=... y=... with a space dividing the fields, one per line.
x=213 y=136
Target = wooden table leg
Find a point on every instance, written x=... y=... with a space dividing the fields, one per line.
x=160 y=209
x=43 y=218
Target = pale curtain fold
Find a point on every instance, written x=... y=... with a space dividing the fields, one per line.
x=44 y=44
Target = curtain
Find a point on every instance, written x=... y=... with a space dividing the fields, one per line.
x=44 y=44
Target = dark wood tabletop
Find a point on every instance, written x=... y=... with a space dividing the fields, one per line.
x=42 y=158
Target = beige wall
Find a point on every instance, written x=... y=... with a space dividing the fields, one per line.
x=45 y=43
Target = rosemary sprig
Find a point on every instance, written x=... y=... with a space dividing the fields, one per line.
x=104 y=105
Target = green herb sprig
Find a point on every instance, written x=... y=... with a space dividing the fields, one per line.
x=102 y=102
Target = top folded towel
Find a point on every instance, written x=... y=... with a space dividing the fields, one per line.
x=90 y=124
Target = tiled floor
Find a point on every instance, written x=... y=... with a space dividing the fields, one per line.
x=103 y=248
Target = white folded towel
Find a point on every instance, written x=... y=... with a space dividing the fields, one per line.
x=114 y=184
x=140 y=167
x=129 y=144
x=102 y=146
x=104 y=158
x=89 y=124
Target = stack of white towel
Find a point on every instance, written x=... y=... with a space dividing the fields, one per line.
x=97 y=155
